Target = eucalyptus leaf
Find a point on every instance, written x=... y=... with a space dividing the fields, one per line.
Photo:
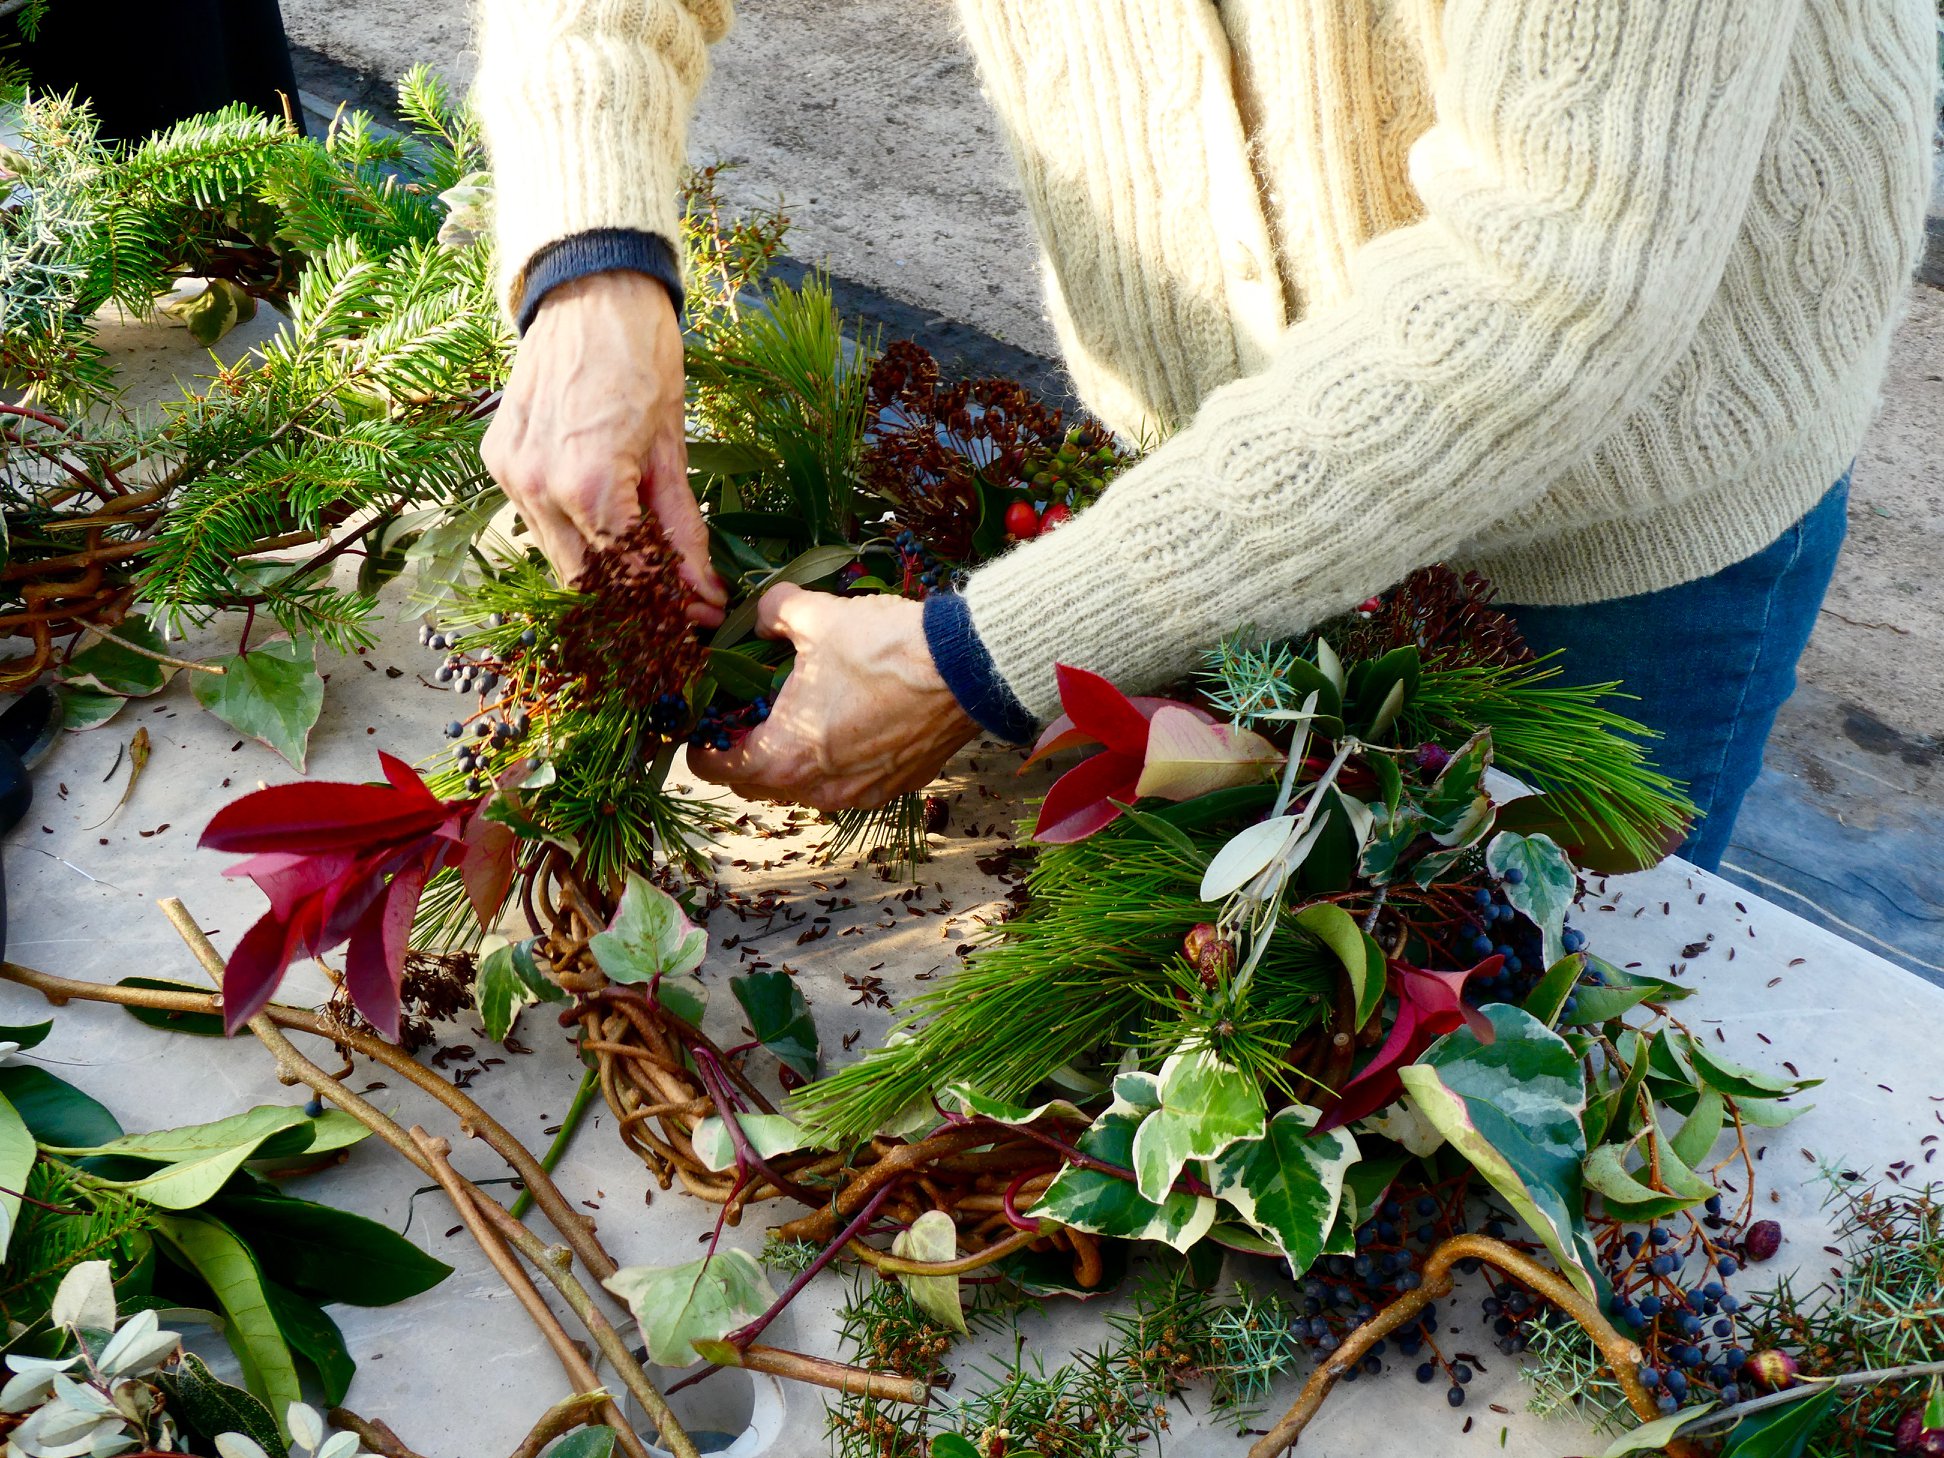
x=1245 y=857
x=705 y=1300
x=272 y=693
x=932 y=1237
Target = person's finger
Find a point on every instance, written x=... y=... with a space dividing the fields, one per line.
x=598 y=495
x=785 y=611
x=558 y=539
x=763 y=763
x=666 y=492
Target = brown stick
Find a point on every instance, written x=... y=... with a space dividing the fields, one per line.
x=377 y=1436
x=579 y=1372
x=1622 y=1355
x=139 y=650
x=563 y=1417
x=853 y=1381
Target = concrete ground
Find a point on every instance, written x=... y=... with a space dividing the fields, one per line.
x=864 y=119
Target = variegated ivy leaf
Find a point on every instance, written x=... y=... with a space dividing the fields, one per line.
x=1544 y=886
x=650 y=936
x=1106 y=1204
x=969 y=1100
x=1288 y=1184
x=1206 y=1106
x=932 y=1237
x=1512 y=1107
x=768 y=1134
x=701 y=1300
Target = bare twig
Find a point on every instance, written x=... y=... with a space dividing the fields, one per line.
x=853 y=1381
x=372 y=1434
x=563 y=1417
x=140 y=651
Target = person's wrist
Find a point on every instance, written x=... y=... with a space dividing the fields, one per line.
x=619 y=290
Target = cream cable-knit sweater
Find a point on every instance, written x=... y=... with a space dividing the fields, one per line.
x=1591 y=295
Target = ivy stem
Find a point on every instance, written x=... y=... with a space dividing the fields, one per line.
x=590 y=1085
x=579 y=1370
x=747 y=1159
x=1621 y=1354
x=140 y=651
x=249 y=622
x=744 y=1336
x=563 y=1417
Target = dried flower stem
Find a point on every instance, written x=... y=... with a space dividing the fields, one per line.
x=1621 y=1353
x=140 y=651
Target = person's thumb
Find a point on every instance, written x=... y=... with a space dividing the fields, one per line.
x=784 y=612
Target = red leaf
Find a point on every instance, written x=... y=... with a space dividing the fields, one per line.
x=374 y=962
x=1429 y=1005
x=255 y=968
x=487 y=867
x=1101 y=710
x=401 y=776
x=1078 y=803
x=312 y=817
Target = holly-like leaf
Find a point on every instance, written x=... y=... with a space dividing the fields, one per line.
x=1512 y=1107
x=932 y=1237
x=779 y=1018
x=1543 y=888
x=1105 y=1204
x=1187 y=756
x=705 y=1300
x=272 y=693
x=595 y=1442
x=649 y=937
x=1206 y=1106
x=1362 y=958
x=768 y=1135
x=1696 y=1137
x=1288 y=1184
x=110 y=668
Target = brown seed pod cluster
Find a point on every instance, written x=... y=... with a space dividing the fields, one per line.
x=1447 y=616
x=630 y=636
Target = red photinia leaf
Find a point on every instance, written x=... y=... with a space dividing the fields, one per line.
x=1429 y=1005
x=1102 y=711
x=487 y=866
x=1080 y=801
x=347 y=863
x=1061 y=733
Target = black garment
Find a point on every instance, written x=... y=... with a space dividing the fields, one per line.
x=145 y=65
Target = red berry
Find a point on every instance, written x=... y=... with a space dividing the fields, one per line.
x=1774 y=1370
x=1930 y=1443
x=1909 y=1429
x=1212 y=954
x=1432 y=758
x=1370 y=605
x=1022 y=521
x=1763 y=1240
x=1058 y=514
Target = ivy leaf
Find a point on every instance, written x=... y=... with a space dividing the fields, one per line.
x=112 y=669
x=779 y=1017
x=971 y=1101
x=86 y=708
x=1287 y=1184
x=272 y=693
x=649 y=937
x=702 y=1300
x=1782 y=1432
x=1088 y=1199
x=1362 y=958
x=1206 y=1106
x=499 y=991
x=932 y=1237
x=1545 y=888
x=768 y=1135
x=1456 y=807
x=1512 y=1107
x=17 y=1156
x=595 y=1442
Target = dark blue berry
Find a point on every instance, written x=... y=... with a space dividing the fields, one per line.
x=1649 y=1377
x=1727 y=1265
x=1456 y=1396
x=1427 y=1371
x=1573 y=940
x=1513 y=876
x=1659 y=1235
x=315 y=1108
x=1666 y=1403
x=1650 y=1307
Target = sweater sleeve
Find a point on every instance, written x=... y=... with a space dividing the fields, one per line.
x=1583 y=187
x=585 y=105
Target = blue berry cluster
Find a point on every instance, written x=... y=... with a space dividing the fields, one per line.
x=920 y=564
x=1497 y=928
x=500 y=722
x=718 y=725
x=1671 y=1296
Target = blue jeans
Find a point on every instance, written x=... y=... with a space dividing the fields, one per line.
x=1711 y=661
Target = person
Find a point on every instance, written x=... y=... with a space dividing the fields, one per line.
x=1593 y=296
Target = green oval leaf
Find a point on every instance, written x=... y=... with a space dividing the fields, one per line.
x=227 y=1267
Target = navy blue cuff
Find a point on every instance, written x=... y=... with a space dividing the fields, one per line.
x=968 y=670
x=599 y=250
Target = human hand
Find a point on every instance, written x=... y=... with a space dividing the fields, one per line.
x=590 y=433
x=862 y=718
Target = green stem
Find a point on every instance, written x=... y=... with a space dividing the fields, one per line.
x=1809 y=1387
x=550 y=1161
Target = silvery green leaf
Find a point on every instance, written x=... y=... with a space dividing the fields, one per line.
x=33 y=1379
x=1362 y=818
x=81 y=1398
x=235 y=1445
x=107 y=1443
x=137 y=1334
x=305 y=1425
x=85 y=1298
x=1388 y=711
x=705 y=1299
x=1244 y=857
x=140 y=1357
x=339 y=1445
x=1332 y=666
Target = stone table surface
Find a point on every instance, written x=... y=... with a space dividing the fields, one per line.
x=461 y=1371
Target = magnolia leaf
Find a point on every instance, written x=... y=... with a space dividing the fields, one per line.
x=1782 y=1432
x=649 y=937
x=1655 y=1436
x=1287 y=1184
x=932 y=1237
x=1697 y=1135
x=1362 y=958
x=1105 y=1204
x=85 y=1299
x=17 y=1155
x=705 y=1299
x=272 y=693
x=1206 y=1106
x=1512 y=1107
x=1186 y=756
x=86 y=708
x=768 y=1135
x=1248 y=852
x=1544 y=886
x=108 y=667
x=227 y=1266
x=779 y=1018
x=1329 y=663
x=193 y=1141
